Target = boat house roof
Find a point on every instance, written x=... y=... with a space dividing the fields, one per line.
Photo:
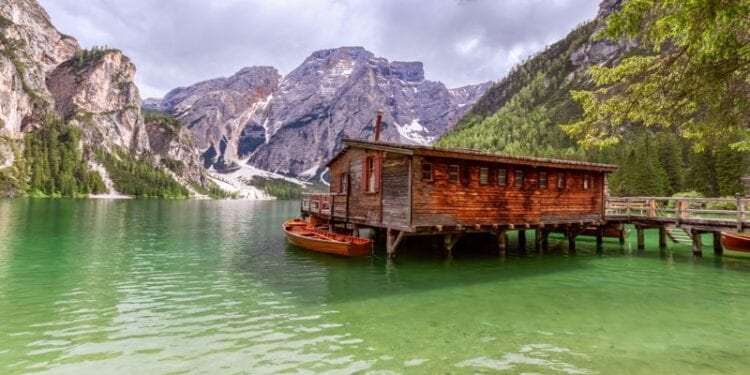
x=468 y=154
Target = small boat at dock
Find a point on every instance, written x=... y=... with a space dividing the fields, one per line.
x=301 y=233
x=735 y=242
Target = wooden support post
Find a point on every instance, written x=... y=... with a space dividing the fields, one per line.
x=393 y=239
x=537 y=240
x=545 y=241
x=599 y=235
x=571 y=240
x=641 y=238
x=662 y=237
x=355 y=230
x=501 y=242
x=621 y=237
x=521 y=241
x=718 y=249
x=697 y=244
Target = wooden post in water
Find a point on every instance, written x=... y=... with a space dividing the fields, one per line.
x=621 y=237
x=545 y=241
x=521 y=241
x=697 y=244
x=501 y=242
x=571 y=240
x=355 y=230
x=718 y=249
x=662 y=237
x=538 y=240
x=599 y=239
x=641 y=238
x=393 y=239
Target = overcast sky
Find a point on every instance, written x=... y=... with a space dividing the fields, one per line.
x=179 y=42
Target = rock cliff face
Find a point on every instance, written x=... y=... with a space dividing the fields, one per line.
x=95 y=91
x=30 y=47
x=44 y=73
x=293 y=125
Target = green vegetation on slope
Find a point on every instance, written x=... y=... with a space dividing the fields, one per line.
x=138 y=177
x=53 y=164
x=522 y=114
x=278 y=187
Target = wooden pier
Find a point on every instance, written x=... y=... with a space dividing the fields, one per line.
x=681 y=219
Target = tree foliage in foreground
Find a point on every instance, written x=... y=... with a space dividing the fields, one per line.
x=696 y=80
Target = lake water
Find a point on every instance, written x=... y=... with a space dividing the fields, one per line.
x=156 y=287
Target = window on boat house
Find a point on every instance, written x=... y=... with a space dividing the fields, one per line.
x=370 y=174
x=586 y=182
x=484 y=177
x=502 y=177
x=453 y=173
x=542 y=179
x=561 y=180
x=519 y=178
x=427 y=171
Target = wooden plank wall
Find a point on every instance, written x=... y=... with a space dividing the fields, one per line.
x=440 y=202
x=363 y=206
x=395 y=177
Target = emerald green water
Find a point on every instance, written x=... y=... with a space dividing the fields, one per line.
x=152 y=287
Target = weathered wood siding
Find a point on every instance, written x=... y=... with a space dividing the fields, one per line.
x=362 y=206
x=395 y=179
x=440 y=202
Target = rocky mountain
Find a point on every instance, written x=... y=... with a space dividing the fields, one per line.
x=69 y=117
x=292 y=125
x=522 y=112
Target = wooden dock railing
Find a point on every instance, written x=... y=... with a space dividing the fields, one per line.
x=682 y=211
x=324 y=204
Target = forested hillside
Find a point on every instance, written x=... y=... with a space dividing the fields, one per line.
x=522 y=115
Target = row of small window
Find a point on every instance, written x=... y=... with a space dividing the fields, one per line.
x=502 y=176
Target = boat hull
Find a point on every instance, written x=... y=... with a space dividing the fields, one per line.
x=736 y=242
x=300 y=234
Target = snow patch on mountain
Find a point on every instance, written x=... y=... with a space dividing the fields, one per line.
x=239 y=181
x=415 y=132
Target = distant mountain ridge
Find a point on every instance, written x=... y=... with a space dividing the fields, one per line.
x=293 y=124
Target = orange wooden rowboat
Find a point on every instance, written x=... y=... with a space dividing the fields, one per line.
x=299 y=232
x=735 y=242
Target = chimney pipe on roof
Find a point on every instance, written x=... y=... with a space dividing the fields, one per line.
x=378 y=121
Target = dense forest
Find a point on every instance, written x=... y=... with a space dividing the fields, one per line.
x=523 y=113
x=138 y=177
x=52 y=164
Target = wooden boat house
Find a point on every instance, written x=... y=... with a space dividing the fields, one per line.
x=419 y=190
x=410 y=190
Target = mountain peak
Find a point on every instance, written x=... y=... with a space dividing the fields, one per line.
x=341 y=52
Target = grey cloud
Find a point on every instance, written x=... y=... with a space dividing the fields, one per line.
x=179 y=42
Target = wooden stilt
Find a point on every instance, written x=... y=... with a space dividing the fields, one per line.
x=641 y=238
x=662 y=237
x=355 y=230
x=450 y=240
x=521 y=241
x=599 y=235
x=537 y=240
x=545 y=241
x=393 y=239
x=571 y=240
x=622 y=234
x=697 y=244
x=718 y=249
x=502 y=241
